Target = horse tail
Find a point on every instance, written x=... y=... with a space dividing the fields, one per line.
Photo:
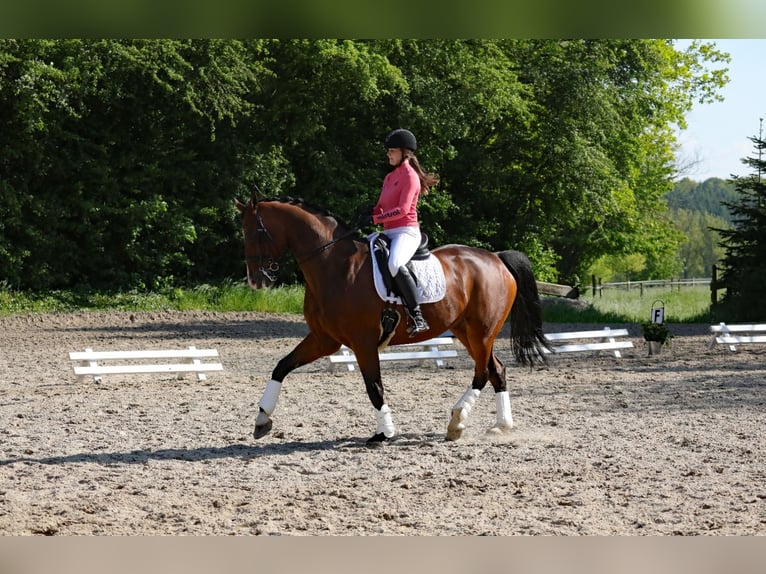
x=528 y=342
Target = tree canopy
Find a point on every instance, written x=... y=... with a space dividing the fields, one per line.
x=120 y=158
x=744 y=262
x=710 y=196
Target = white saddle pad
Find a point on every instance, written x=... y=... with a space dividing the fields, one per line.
x=431 y=283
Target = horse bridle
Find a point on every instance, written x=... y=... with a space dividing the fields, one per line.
x=268 y=266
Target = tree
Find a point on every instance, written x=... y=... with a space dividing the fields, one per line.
x=324 y=105
x=744 y=263
x=709 y=196
x=130 y=151
x=701 y=248
x=119 y=159
x=581 y=162
x=468 y=107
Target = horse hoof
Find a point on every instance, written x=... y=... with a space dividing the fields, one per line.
x=454 y=433
x=377 y=439
x=497 y=430
x=455 y=427
x=262 y=430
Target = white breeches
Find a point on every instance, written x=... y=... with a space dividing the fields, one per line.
x=404 y=242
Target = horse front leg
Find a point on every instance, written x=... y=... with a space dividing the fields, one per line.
x=369 y=365
x=311 y=348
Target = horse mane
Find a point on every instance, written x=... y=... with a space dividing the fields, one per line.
x=313 y=208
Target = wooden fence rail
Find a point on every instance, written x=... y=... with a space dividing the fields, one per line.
x=598 y=287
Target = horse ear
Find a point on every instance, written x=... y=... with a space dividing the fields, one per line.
x=241 y=206
x=255 y=194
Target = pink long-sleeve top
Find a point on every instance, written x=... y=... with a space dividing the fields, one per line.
x=397 y=204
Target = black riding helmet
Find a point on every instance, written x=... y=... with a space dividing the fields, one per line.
x=401 y=138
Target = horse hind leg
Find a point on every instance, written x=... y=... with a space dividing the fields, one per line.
x=465 y=403
x=504 y=421
x=462 y=409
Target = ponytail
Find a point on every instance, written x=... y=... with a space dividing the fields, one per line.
x=427 y=180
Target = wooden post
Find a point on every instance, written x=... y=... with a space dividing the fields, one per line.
x=558 y=290
x=714 y=286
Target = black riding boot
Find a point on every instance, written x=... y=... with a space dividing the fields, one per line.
x=405 y=284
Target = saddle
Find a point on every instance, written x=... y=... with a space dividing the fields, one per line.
x=420 y=262
x=381 y=245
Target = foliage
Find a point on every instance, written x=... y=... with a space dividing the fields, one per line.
x=655 y=332
x=709 y=197
x=697 y=210
x=114 y=158
x=701 y=248
x=120 y=157
x=603 y=162
x=744 y=263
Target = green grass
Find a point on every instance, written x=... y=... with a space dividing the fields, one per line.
x=689 y=305
x=225 y=297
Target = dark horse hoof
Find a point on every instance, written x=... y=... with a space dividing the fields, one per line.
x=377 y=439
x=262 y=430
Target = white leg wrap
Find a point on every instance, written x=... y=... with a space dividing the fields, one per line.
x=385 y=422
x=504 y=417
x=466 y=402
x=268 y=401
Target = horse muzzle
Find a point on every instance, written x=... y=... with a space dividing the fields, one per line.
x=263 y=276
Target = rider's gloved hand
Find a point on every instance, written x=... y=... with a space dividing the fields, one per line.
x=364 y=216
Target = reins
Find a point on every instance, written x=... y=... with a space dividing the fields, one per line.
x=326 y=246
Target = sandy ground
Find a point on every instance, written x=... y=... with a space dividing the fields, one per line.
x=662 y=445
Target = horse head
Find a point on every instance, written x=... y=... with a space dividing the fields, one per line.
x=262 y=248
x=273 y=226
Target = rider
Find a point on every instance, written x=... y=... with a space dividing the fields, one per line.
x=396 y=211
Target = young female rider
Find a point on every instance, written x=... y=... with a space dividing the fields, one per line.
x=396 y=210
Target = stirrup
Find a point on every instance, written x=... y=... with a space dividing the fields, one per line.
x=418 y=324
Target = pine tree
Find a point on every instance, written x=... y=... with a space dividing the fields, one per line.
x=744 y=262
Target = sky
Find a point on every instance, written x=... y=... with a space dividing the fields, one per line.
x=717 y=133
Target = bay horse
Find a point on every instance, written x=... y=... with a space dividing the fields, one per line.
x=341 y=306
